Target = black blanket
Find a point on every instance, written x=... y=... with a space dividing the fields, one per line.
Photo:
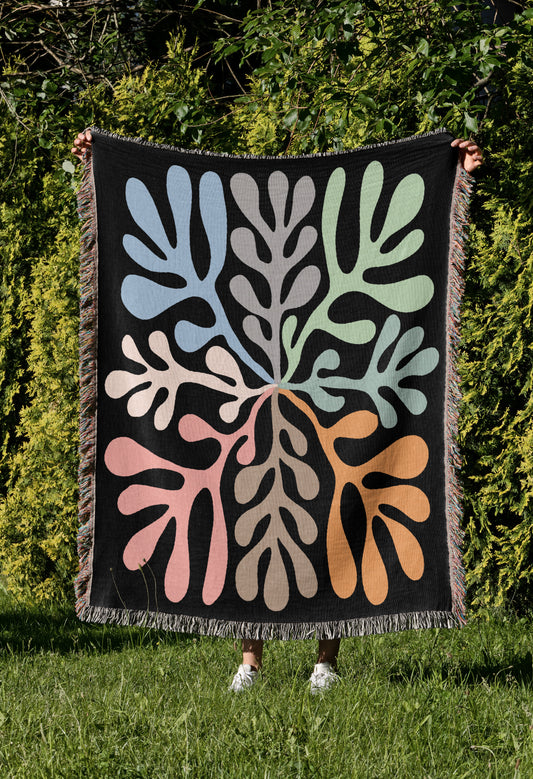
x=269 y=397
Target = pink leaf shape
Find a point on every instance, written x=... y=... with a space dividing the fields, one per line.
x=140 y=547
x=194 y=428
x=218 y=555
x=125 y=457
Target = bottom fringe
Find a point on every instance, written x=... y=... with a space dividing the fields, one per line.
x=363 y=626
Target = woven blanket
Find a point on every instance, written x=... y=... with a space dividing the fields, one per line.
x=269 y=396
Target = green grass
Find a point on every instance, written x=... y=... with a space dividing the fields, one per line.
x=80 y=700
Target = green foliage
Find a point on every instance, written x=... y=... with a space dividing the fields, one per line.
x=497 y=362
x=311 y=77
x=497 y=419
x=77 y=44
x=37 y=517
x=12 y=363
x=18 y=246
x=38 y=335
x=169 y=104
x=337 y=76
x=105 y=701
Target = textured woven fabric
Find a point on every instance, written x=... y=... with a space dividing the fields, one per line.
x=269 y=396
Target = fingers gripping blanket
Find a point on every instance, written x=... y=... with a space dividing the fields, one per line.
x=269 y=397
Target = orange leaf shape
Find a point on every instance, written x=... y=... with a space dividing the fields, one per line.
x=405 y=459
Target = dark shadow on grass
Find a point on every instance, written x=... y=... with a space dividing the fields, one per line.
x=513 y=670
x=57 y=629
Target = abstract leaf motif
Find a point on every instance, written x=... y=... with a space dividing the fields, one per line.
x=406 y=295
x=218 y=360
x=146 y=299
x=404 y=459
x=243 y=241
x=420 y=364
x=125 y=457
x=247 y=483
x=410 y=294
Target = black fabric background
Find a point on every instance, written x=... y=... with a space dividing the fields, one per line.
x=113 y=586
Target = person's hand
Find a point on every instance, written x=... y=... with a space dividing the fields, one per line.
x=470 y=155
x=82 y=143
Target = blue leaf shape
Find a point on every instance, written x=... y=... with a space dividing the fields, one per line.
x=214 y=217
x=146 y=299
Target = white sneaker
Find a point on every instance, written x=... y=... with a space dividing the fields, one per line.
x=322 y=678
x=245 y=677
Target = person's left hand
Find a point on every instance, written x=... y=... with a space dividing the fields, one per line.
x=470 y=155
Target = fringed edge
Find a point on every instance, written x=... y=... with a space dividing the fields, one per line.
x=464 y=184
x=88 y=387
x=363 y=626
x=221 y=154
x=463 y=188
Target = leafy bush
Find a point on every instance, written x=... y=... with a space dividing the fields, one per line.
x=312 y=78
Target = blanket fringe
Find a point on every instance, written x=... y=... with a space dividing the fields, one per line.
x=88 y=391
x=272 y=630
x=207 y=153
x=464 y=183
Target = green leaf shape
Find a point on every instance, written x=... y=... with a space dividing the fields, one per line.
x=421 y=363
x=410 y=294
x=357 y=332
x=407 y=295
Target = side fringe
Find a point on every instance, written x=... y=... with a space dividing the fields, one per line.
x=272 y=630
x=88 y=387
x=464 y=184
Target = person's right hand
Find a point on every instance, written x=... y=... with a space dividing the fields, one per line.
x=82 y=143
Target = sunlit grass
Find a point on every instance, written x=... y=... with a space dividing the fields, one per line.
x=80 y=700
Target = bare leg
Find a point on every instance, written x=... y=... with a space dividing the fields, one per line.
x=328 y=649
x=252 y=652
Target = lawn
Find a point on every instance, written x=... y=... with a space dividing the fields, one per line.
x=81 y=700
